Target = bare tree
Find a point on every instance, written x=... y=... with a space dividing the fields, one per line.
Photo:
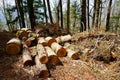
x=61 y=13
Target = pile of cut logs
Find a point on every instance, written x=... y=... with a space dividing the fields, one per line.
x=39 y=50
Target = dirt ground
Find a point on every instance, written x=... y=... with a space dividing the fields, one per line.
x=93 y=66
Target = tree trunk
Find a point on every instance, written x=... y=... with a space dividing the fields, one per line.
x=41 y=69
x=42 y=54
x=68 y=16
x=61 y=14
x=49 y=10
x=21 y=13
x=45 y=11
x=94 y=13
x=59 y=50
x=27 y=59
x=97 y=8
x=31 y=13
x=52 y=57
x=88 y=14
x=83 y=17
x=108 y=16
x=13 y=46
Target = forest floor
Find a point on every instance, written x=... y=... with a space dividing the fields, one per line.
x=99 y=59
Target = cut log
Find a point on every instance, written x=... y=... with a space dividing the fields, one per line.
x=42 y=54
x=41 y=40
x=21 y=33
x=59 y=50
x=33 y=51
x=29 y=41
x=64 y=38
x=13 y=46
x=50 y=40
x=27 y=59
x=52 y=57
x=42 y=70
x=72 y=54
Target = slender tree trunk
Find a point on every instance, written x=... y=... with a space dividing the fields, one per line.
x=93 y=20
x=88 y=14
x=68 y=16
x=83 y=17
x=100 y=13
x=57 y=14
x=61 y=13
x=96 y=18
x=45 y=12
x=21 y=13
x=31 y=13
x=108 y=16
x=49 y=10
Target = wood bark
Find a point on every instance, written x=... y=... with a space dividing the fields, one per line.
x=61 y=13
x=13 y=46
x=52 y=57
x=27 y=59
x=72 y=54
x=30 y=41
x=42 y=54
x=42 y=70
x=59 y=50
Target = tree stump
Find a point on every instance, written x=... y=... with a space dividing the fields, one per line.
x=13 y=46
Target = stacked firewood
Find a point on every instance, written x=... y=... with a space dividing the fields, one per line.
x=39 y=51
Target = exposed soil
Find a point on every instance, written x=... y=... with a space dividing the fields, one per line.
x=96 y=65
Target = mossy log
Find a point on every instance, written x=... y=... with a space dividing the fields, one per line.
x=13 y=46
x=59 y=50
x=52 y=57
x=42 y=70
x=42 y=54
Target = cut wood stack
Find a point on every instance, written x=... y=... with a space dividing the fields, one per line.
x=13 y=46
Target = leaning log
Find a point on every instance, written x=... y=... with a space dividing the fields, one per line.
x=72 y=54
x=52 y=57
x=13 y=46
x=27 y=59
x=41 y=40
x=42 y=70
x=59 y=50
x=42 y=54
